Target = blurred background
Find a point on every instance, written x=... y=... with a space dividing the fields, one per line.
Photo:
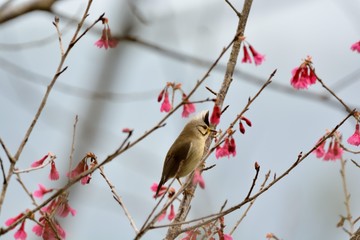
x=117 y=88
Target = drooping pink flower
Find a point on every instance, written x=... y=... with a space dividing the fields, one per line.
x=63 y=209
x=258 y=58
x=320 y=150
x=106 y=39
x=20 y=234
x=232 y=147
x=41 y=191
x=38 y=230
x=79 y=169
x=222 y=151
x=329 y=155
x=171 y=215
x=356 y=47
x=162 y=216
x=198 y=179
x=355 y=138
x=127 y=130
x=40 y=161
x=48 y=232
x=54 y=174
x=166 y=105
x=337 y=150
x=154 y=188
x=13 y=219
x=215 y=116
x=246 y=58
x=304 y=75
x=188 y=107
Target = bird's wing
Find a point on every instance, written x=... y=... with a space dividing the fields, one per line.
x=172 y=162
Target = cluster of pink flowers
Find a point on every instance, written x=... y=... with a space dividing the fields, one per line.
x=106 y=39
x=229 y=148
x=258 y=58
x=162 y=191
x=54 y=173
x=304 y=75
x=166 y=106
x=48 y=227
x=356 y=47
x=334 y=150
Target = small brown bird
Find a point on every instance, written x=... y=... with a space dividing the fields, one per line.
x=187 y=150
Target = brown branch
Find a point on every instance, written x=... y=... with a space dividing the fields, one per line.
x=3 y=171
x=207 y=219
x=347 y=196
x=11 y=12
x=183 y=210
x=43 y=102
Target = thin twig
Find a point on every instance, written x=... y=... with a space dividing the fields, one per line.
x=56 y=24
x=257 y=169
x=3 y=171
x=356 y=164
x=119 y=200
x=7 y=152
x=300 y=158
x=47 y=162
x=250 y=205
x=346 y=195
x=43 y=102
x=233 y=8
x=347 y=108
x=73 y=143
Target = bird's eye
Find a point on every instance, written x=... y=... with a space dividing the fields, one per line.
x=203 y=129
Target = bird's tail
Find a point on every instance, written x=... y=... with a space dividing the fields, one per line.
x=161 y=183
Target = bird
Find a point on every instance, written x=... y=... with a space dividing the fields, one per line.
x=187 y=149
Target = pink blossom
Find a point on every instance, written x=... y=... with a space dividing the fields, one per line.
x=215 y=116
x=171 y=215
x=38 y=230
x=356 y=47
x=54 y=174
x=41 y=191
x=39 y=162
x=166 y=105
x=303 y=76
x=64 y=209
x=329 y=155
x=14 y=219
x=162 y=216
x=227 y=237
x=355 y=138
x=79 y=169
x=188 y=108
x=106 y=39
x=337 y=150
x=232 y=147
x=48 y=232
x=127 y=130
x=222 y=151
x=246 y=58
x=258 y=58
x=162 y=190
x=320 y=150
x=21 y=234
x=198 y=179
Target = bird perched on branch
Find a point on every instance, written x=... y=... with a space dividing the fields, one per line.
x=187 y=150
